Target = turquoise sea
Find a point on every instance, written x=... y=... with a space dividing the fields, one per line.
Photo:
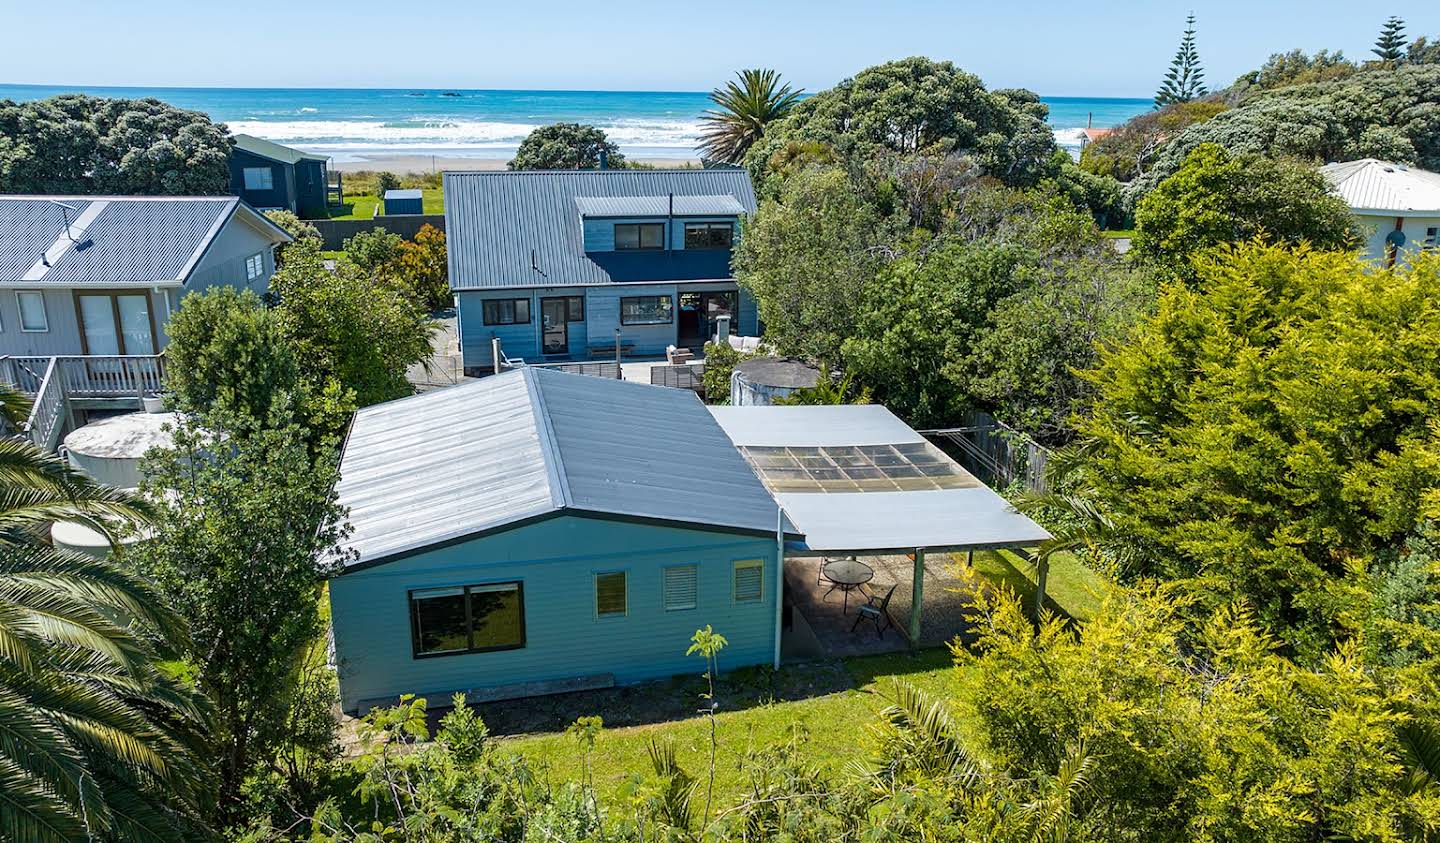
x=351 y=124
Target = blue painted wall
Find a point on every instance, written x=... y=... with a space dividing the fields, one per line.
x=602 y=317
x=556 y=560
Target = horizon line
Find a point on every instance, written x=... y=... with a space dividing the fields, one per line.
x=80 y=88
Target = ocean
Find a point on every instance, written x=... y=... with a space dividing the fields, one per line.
x=356 y=124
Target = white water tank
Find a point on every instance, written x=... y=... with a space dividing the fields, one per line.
x=760 y=380
x=110 y=449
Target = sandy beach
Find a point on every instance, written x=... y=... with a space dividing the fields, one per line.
x=404 y=164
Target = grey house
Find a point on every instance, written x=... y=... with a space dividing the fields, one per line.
x=553 y=263
x=100 y=275
x=270 y=176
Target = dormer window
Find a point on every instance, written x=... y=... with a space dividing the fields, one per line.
x=709 y=235
x=633 y=236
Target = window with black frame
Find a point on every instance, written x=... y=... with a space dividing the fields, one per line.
x=506 y=311
x=467 y=619
x=632 y=236
x=709 y=235
x=646 y=310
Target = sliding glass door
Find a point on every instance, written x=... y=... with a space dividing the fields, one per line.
x=116 y=323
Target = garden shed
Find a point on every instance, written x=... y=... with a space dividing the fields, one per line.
x=402 y=201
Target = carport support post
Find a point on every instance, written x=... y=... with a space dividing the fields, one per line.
x=918 y=597
x=1042 y=572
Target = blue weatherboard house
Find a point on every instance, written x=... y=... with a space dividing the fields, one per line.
x=552 y=263
x=539 y=531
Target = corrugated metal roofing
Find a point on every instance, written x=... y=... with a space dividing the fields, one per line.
x=722 y=205
x=1372 y=185
x=858 y=522
x=122 y=239
x=460 y=461
x=273 y=151
x=496 y=222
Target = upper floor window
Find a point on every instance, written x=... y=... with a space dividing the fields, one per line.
x=506 y=311
x=32 y=311
x=259 y=178
x=645 y=310
x=709 y=235
x=254 y=266
x=639 y=235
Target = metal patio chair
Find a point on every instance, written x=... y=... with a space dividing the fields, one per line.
x=876 y=613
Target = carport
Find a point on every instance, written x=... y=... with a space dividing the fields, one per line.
x=856 y=480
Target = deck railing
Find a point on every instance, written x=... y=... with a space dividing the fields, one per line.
x=91 y=375
x=54 y=382
x=47 y=414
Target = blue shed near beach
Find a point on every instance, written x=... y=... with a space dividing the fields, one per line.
x=554 y=264
x=538 y=532
x=271 y=176
x=404 y=201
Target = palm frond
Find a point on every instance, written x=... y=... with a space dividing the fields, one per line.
x=742 y=112
x=1421 y=743
x=934 y=744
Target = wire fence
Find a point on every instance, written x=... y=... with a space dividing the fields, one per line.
x=998 y=454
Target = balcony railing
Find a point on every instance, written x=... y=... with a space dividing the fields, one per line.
x=54 y=382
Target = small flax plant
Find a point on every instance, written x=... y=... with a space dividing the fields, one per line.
x=708 y=643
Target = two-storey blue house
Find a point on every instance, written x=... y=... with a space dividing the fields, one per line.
x=553 y=263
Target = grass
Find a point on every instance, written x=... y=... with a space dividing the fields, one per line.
x=361 y=206
x=832 y=724
x=1071 y=589
x=827 y=704
x=1125 y=232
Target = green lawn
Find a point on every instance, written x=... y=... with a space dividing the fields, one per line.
x=1128 y=232
x=833 y=725
x=830 y=704
x=362 y=206
x=1071 y=589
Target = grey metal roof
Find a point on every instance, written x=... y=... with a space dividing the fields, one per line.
x=119 y=239
x=478 y=457
x=273 y=150
x=858 y=522
x=1372 y=185
x=496 y=222
x=403 y=193
x=719 y=205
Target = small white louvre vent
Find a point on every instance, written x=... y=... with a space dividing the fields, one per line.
x=680 y=587
x=749 y=581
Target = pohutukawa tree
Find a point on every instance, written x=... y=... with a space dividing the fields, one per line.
x=744 y=107
x=1185 y=80
x=1390 y=46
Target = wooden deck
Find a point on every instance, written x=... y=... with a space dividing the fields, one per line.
x=59 y=385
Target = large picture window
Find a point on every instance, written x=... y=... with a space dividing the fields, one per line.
x=709 y=235
x=646 y=310
x=259 y=178
x=643 y=235
x=467 y=619
x=507 y=312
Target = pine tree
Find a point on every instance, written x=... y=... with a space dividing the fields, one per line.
x=1186 y=79
x=1390 y=46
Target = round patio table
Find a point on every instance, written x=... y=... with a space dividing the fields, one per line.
x=847 y=575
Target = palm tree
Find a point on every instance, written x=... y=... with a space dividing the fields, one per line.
x=97 y=742
x=744 y=110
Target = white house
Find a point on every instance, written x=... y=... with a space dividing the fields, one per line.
x=1398 y=205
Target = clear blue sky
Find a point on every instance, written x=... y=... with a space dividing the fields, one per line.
x=1071 y=48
